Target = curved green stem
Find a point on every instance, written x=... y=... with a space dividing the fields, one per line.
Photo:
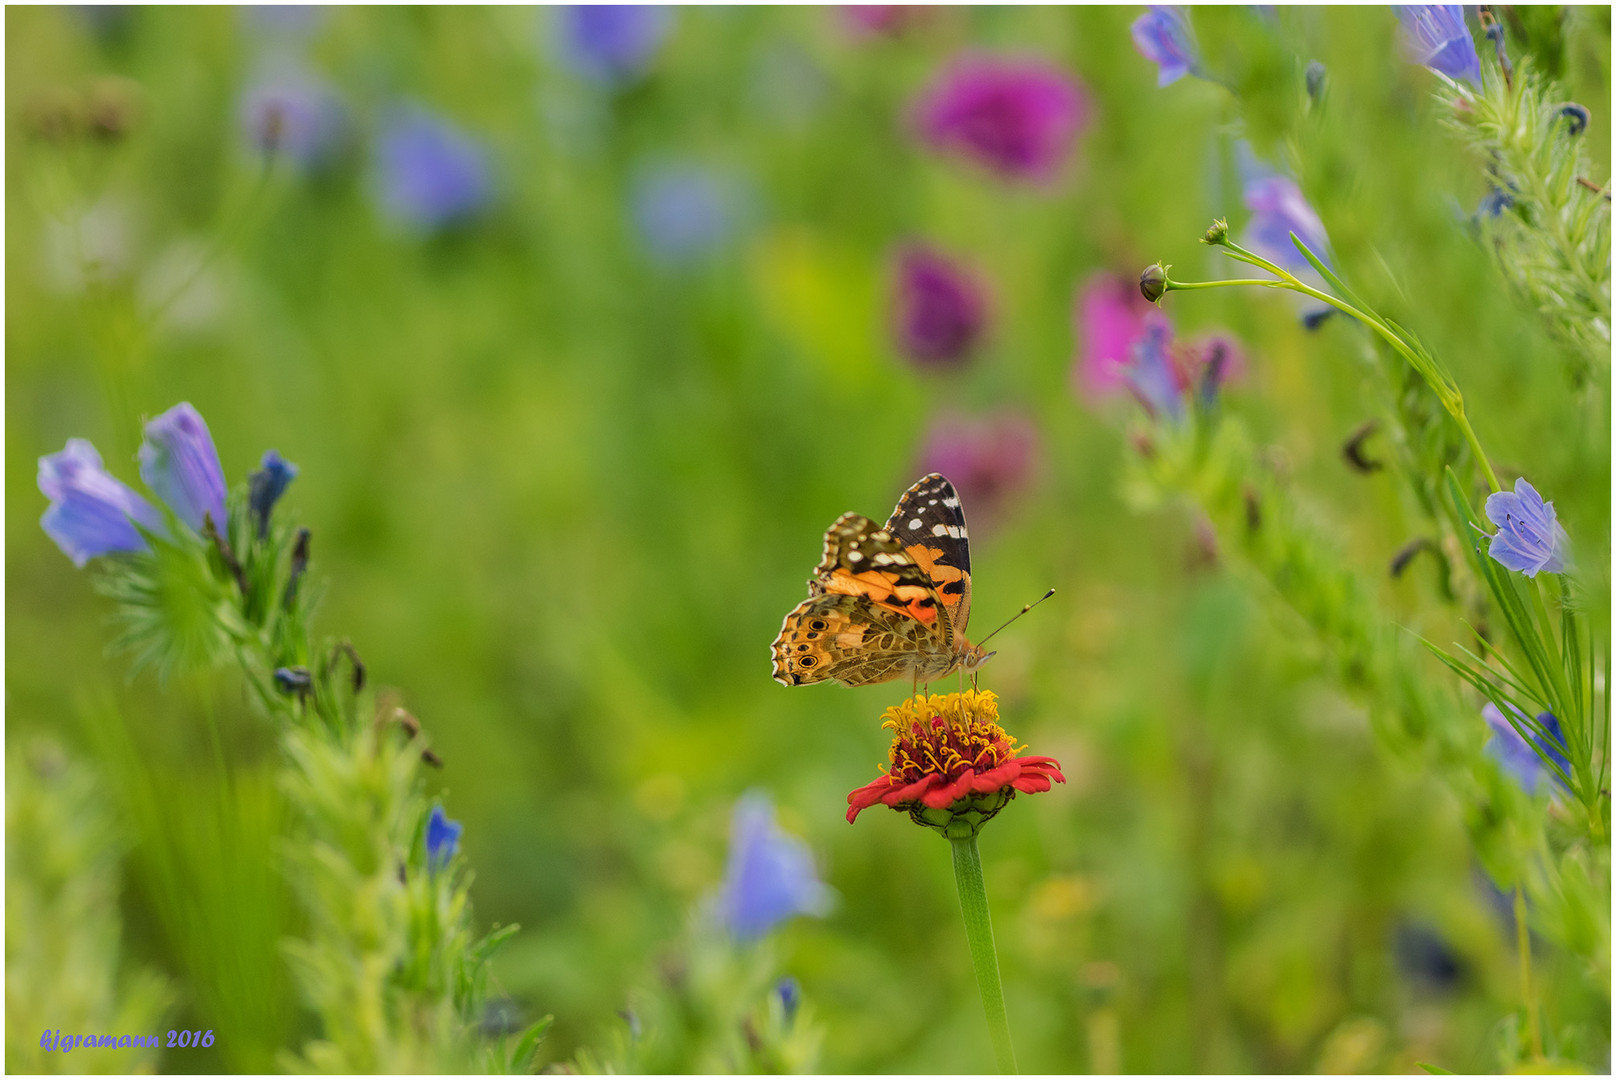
x=973 y=896
x=1448 y=394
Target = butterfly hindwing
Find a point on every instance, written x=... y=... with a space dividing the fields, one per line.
x=929 y=523
x=850 y=639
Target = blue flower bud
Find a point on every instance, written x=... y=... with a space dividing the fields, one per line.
x=442 y=840
x=179 y=462
x=789 y=991
x=293 y=680
x=1163 y=36
x=265 y=487
x=1576 y=117
x=1314 y=78
x=91 y=512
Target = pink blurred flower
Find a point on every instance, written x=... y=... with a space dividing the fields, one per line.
x=1017 y=118
x=882 y=20
x=940 y=309
x=989 y=459
x=1109 y=317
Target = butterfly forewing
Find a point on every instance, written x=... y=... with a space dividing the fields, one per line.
x=929 y=523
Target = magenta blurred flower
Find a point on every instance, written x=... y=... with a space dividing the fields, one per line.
x=1110 y=317
x=1017 y=118
x=1435 y=35
x=881 y=20
x=178 y=462
x=941 y=310
x=988 y=459
x=1163 y=36
x=430 y=173
x=91 y=512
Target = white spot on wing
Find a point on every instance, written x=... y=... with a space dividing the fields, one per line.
x=855 y=556
x=914 y=523
x=939 y=529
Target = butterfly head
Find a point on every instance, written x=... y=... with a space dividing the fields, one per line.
x=974 y=657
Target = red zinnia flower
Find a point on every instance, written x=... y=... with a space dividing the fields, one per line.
x=952 y=765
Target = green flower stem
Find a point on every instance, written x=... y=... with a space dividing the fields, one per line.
x=1523 y=948
x=973 y=896
x=1448 y=395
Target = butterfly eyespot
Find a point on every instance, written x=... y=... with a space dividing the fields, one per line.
x=802 y=648
x=806 y=661
x=817 y=624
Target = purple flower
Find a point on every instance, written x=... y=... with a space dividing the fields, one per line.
x=1213 y=360
x=1151 y=373
x=1018 y=118
x=612 y=43
x=267 y=485
x=770 y=876
x=988 y=459
x=1529 y=538
x=1163 y=36
x=293 y=116
x=1110 y=317
x=1277 y=210
x=941 y=310
x=1435 y=35
x=91 y=512
x=683 y=211
x=432 y=174
x=179 y=463
x=442 y=840
x=1516 y=755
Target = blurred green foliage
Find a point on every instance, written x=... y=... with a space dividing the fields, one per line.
x=561 y=494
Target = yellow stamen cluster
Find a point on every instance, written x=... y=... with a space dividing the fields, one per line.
x=970 y=736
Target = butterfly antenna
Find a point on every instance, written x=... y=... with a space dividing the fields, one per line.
x=1017 y=615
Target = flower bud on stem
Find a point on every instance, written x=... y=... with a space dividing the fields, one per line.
x=1155 y=280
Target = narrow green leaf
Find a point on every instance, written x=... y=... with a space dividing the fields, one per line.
x=1435 y=1070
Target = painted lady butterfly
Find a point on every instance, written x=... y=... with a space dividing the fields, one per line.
x=886 y=601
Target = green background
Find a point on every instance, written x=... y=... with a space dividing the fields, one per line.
x=561 y=496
